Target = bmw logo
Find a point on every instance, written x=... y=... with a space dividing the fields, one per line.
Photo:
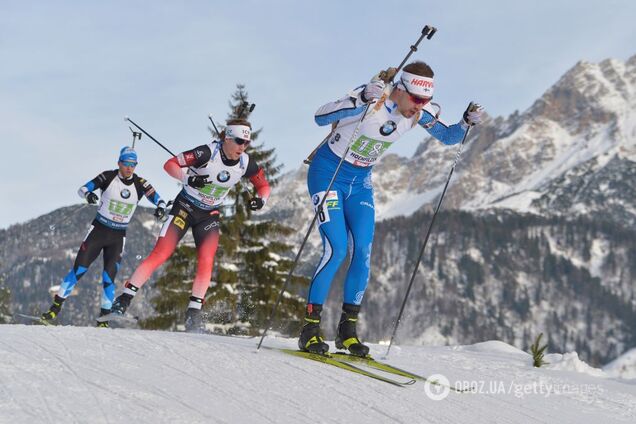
x=223 y=176
x=388 y=128
x=125 y=193
x=315 y=199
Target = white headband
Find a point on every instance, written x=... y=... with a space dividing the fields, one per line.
x=238 y=131
x=417 y=85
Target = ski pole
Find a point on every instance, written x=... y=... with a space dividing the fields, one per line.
x=155 y=140
x=428 y=233
x=52 y=226
x=136 y=135
x=427 y=31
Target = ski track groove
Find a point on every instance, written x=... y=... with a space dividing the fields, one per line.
x=47 y=407
x=343 y=392
x=87 y=384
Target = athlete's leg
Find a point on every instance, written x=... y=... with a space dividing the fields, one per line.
x=112 y=260
x=334 y=237
x=360 y=219
x=172 y=231
x=89 y=250
x=206 y=239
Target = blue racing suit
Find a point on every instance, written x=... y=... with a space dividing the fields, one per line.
x=347 y=219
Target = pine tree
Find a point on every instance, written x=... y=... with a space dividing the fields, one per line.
x=260 y=265
x=5 y=302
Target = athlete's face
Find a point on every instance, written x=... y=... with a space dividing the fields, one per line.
x=232 y=149
x=126 y=168
x=409 y=105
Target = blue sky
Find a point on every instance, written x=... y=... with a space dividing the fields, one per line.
x=71 y=70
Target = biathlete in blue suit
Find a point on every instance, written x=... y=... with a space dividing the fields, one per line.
x=121 y=190
x=347 y=219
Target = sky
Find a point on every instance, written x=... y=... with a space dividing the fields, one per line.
x=71 y=71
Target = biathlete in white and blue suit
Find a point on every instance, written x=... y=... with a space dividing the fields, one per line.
x=121 y=190
x=347 y=218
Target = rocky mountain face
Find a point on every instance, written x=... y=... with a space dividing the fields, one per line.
x=534 y=234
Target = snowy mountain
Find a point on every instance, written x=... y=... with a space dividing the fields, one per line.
x=73 y=374
x=535 y=235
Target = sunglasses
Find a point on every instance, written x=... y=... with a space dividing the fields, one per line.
x=241 y=141
x=420 y=101
x=127 y=163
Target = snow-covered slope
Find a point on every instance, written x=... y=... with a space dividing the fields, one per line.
x=624 y=366
x=72 y=374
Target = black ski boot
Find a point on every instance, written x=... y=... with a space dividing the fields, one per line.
x=347 y=337
x=194 y=322
x=54 y=310
x=121 y=303
x=310 y=339
x=104 y=324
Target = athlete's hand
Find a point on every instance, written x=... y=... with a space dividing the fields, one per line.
x=197 y=181
x=473 y=114
x=373 y=90
x=91 y=198
x=160 y=212
x=256 y=203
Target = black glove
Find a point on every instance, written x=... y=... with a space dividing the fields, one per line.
x=198 y=181
x=91 y=198
x=256 y=203
x=160 y=212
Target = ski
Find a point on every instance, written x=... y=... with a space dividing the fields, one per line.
x=117 y=317
x=372 y=363
x=330 y=360
x=37 y=320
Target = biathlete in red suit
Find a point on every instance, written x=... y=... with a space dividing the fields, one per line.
x=207 y=172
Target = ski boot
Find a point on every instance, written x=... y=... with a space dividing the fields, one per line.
x=310 y=339
x=347 y=337
x=104 y=324
x=194 y=322
x=122 y=302
x=50 y=315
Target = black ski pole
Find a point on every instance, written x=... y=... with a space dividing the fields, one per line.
x=69 y=216
x=428 y=233
x=155 y=140
x=427 y=31
x=136 y=135
x=149 y=136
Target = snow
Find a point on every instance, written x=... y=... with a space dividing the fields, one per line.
x=74 y=374
x=570 y=362
x=623 y=367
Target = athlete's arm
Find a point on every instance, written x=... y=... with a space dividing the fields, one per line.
x=144 y=187
x=99 y=182
x=257 y=177
x=350 y=105
x=195 y=158
x=447 y=134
